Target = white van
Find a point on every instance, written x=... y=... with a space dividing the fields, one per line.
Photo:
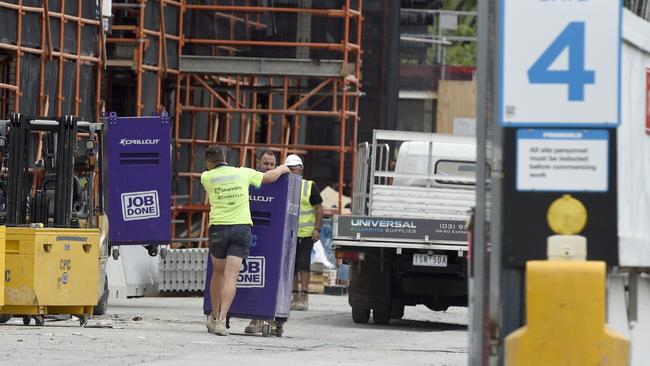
x=452 y=156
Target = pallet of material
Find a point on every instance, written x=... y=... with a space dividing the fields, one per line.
x=316 y=288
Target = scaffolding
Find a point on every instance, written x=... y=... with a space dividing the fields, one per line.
x=50 y=57
x=258 y=81
x=282 y=75
x=143 y=46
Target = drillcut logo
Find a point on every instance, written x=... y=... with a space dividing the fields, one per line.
x=125 y=142
x=140 y=205
x=251 y=273
x=261 y=198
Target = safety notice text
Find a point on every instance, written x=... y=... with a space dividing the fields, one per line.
x=562 y=160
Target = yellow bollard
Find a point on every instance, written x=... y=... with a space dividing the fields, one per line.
x=565 y=307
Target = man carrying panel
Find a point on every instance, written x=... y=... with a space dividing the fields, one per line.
x=230 y=227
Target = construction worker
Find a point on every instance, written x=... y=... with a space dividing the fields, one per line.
x=265 y=162
x=230 y=227
x=309 y=223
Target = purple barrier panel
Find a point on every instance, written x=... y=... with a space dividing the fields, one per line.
x=138 y=179
x=266 y=277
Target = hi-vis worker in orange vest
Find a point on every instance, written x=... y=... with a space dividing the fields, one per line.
x=309 y=222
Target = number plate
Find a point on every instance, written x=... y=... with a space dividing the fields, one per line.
x=435 y=260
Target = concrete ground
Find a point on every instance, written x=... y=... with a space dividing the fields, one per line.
x=171 y=331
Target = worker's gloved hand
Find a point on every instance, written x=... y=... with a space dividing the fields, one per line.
x=315 y=235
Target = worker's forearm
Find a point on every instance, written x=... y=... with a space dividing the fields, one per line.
x=319 y=215
x=272 y=175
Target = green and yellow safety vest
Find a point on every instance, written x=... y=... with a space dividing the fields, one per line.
x=227 y=189
x=307 y=218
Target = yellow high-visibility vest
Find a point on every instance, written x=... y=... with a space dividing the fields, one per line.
x=227 y=189
x=307 y=218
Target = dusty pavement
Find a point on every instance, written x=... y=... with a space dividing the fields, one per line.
x=171 y=331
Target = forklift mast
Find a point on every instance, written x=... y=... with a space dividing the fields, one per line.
x=58 y=190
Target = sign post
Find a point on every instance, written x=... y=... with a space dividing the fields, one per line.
x=556 y=98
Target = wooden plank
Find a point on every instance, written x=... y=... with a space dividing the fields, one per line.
x=455 y=99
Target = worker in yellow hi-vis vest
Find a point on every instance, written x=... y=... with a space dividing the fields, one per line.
x=309 y=222
x=230 y=227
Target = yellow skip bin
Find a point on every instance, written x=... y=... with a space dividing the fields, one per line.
x=49 y=270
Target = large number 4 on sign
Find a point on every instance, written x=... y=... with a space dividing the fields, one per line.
x=573 y=39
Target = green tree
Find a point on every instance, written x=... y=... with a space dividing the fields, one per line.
x=462 y=53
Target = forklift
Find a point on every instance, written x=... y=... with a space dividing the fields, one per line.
x=52 y=207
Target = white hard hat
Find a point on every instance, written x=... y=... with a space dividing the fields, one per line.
x=293 y=160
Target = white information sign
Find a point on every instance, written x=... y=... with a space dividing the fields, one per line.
x=560 y=63
x=563 y=160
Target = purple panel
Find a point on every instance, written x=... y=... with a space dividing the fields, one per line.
x=266 y=279
x=138 y=166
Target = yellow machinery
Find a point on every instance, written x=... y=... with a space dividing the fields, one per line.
x=49 y=271
x=50 y=249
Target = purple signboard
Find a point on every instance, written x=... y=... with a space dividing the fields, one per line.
x=266 y=277
x=138 y=173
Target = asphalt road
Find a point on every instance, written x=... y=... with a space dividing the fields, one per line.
x=171 y=331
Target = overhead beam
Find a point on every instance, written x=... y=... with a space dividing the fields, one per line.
x=262 y=66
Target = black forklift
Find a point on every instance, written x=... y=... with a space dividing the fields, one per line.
x=51 y=177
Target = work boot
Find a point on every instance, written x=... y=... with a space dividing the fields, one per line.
x=211 y=324
x=278 y=328
x=254 y=327
x=305 y=301
x=216 y=326
x=301 y=301
x=295 y=296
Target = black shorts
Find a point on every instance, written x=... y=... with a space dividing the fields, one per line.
x=303 y=254
x=234 y=240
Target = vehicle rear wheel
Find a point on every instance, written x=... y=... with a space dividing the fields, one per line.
x=438 y=307
x=5 y=318
x=360 y=316
x=381 y=316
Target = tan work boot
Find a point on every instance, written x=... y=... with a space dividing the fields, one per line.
x=295 y=296
x=305 y=301
x=216 y=326
x=254 y=327
x=302 y=302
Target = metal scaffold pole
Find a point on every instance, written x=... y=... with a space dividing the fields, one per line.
x=484 y=286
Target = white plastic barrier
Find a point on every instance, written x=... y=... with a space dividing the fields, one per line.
x=183 y=270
